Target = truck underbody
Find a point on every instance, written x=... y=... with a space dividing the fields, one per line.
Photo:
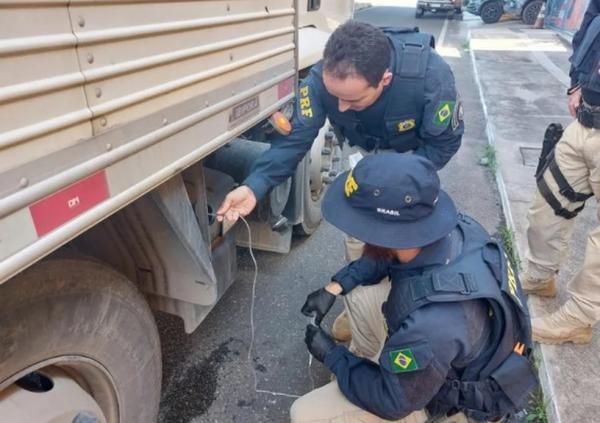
x=110 y=181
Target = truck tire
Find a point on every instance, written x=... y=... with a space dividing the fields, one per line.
x=530 y=11
x=419 y=12
x=311 y=205
x=321 y=166
x=88 y=321
x=491 y=12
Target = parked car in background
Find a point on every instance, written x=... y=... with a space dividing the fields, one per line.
x=435 y=6
x=491 y=11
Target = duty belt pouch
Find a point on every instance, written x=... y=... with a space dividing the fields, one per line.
x=552 y=135
x=504 y=391
x=511 y=383
x=547 y=162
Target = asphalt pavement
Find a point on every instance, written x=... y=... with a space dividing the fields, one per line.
x=207 y=376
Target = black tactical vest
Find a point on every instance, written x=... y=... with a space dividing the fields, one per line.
x=499 y=381
x=411 y=52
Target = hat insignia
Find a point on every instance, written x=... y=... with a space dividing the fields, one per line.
x=350 y=187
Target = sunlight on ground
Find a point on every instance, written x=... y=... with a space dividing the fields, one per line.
x=448 y=51
x=516 y=44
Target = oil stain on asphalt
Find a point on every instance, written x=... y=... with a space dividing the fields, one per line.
x=192 y=394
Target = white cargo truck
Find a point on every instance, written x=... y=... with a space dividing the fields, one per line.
x=123 y=124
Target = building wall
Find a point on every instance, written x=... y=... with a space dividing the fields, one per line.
x=565 y=15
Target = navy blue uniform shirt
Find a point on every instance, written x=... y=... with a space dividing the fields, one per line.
x=586 y=55
x=430 y=342
x=592 y=11
x=438 y=142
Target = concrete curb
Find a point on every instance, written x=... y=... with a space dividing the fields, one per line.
x=551 y=408
x=489 y=130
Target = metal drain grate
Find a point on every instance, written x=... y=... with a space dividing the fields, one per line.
x=530 y=156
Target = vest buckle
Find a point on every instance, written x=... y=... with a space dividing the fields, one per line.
x=461 y=283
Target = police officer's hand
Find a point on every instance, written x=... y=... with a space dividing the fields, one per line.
x=239 y=202
x=318 y=342
x=318 y=304
x=574 y=101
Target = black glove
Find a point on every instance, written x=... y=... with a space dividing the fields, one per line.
x=318 y=342
x=318 y=304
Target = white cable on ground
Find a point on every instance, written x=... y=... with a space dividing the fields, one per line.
x=310 y=375
x=252 y=328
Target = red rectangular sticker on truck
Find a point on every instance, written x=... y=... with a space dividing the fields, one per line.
x=62 y=206
x=285 y=87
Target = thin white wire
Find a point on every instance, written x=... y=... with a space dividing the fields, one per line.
x=252 y=327
x=310 y=375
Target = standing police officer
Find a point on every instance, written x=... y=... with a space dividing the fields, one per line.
x=381 y=90
x=448 y=330
x=571 y=176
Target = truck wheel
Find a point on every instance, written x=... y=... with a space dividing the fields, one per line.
x=491 y=12
x=77 y=343
x=419 y=12
x=311 y=212
x=530 y=11
x=323 y=165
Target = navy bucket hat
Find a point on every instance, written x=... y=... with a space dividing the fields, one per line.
x=391 y=200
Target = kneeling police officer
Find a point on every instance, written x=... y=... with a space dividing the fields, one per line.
x=447 y=330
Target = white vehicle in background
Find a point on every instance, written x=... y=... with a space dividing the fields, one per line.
x=122 y=127
x=453 y=8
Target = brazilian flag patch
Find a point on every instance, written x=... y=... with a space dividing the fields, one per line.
x=403 y=361
x=444 y=112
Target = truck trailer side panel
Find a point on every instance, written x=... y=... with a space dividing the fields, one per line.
x=112 y=98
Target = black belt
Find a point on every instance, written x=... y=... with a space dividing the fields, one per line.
x=588 y=116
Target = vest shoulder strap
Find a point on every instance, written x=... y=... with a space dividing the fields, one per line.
x=456 y=281
x=412 y=49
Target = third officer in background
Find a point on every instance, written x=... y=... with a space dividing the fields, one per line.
x=571 y=176
x=382 y=90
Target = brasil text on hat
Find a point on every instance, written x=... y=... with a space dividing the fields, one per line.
x=391 y=200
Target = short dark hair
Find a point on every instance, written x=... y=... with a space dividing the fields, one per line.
x=357 y=48
x=377 y=253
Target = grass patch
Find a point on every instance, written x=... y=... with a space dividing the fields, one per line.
x=489 y=159
x=466 y=45
x=537 y=410
x=508 y=240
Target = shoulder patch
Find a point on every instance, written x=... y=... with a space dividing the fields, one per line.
x=403 y=361
x=304 y=101
x=401 y=357
x=458 y=114
x=444 y=112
